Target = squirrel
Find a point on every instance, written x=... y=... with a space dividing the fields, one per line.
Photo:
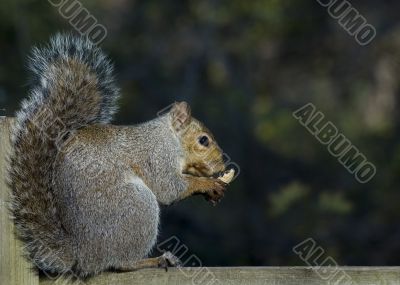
x=86 y=194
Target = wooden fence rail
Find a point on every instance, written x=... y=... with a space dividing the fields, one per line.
x=15 y=270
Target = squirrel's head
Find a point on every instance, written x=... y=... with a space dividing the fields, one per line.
x=203 y=156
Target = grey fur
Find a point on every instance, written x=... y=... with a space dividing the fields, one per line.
x=112 y=212
x=86 y=194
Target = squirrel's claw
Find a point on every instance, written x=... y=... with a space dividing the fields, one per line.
x=217 y=192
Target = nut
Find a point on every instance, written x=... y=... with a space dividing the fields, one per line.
x=227 y=176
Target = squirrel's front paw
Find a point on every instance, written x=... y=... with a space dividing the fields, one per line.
x=216 y=192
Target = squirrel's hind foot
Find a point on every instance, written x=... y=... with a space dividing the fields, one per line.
x=168 y=260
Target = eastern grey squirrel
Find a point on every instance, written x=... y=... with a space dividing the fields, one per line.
x=85 y=193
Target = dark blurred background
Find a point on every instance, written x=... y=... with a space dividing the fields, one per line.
x=245 y=66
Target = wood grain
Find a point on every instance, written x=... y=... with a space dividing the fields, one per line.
x=250 y=275
x=14 y=269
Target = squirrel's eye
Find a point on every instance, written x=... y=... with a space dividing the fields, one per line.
x=204 y=140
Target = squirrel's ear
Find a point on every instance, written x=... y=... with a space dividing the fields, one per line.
x=180 y=115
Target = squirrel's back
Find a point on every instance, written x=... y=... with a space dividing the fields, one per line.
x=72 y=87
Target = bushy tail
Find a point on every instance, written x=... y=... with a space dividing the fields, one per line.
x=73 y=87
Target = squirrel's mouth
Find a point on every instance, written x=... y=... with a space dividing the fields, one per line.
x=201 y=170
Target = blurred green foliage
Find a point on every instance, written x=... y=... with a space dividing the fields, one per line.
x=245 y=66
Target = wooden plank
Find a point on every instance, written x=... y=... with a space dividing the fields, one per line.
x=14 y=269
x=248 y=276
